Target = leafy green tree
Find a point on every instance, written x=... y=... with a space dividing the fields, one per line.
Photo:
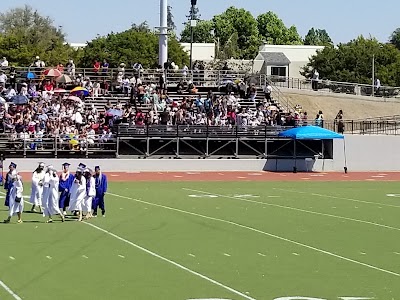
x=273 y=31
x=24 y=34
x=202 y=33
x=352 y=62
x=170 y=19
x=395 y=38
x=240 y=22
x=137 y=44
x=194 y=14
x=317 y=37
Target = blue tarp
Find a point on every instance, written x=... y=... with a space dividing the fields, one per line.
x=310 y=133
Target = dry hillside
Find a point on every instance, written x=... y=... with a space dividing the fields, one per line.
x=353 y=108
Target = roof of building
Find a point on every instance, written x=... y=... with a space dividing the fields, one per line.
x=275 y=58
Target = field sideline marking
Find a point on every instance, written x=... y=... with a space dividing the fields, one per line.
x=297 y=209
x=335 y=197
x=261 y=232
x=170 y=261
x=8 y=290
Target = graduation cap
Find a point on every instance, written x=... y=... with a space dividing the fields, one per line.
x=66 y=164
x=82 y=166
x=14 y=165
x=41 y=165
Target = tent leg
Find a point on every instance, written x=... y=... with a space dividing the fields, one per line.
x=323 y=156
x=345 y=158
x=295 y=157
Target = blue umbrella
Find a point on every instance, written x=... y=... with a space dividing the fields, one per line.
x=30 y=75
x=19 y=100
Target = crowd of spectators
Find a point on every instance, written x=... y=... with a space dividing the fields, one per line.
x=49 y=110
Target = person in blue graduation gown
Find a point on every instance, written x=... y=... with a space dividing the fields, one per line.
x=101 y=189
x=8 y=184
x=64 y=187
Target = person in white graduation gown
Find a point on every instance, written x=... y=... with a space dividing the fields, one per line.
x=37 y=187
x=90 y=193
x=51 y=197
x=78 y=193
x=16 y=205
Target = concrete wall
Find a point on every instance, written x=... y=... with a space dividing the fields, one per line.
x=298 y=55
x=293 y=52
x=364 y=153
x=201 y=51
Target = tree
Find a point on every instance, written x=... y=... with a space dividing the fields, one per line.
x=352 y=62
x=241 y=22
x=273 y=30
x=202 y=33
x=170 y=19
x=24 y=34
x=317 y=37
x=395 y=38
x=194 y=13
x=137 y=44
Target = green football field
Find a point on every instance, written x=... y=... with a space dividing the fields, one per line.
x=213 y=240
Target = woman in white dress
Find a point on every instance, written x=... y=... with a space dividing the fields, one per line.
x=78 y=193
x=90 y=193
x=46 y=187
x=37 y=188
x=51 y=206
x=16 y=199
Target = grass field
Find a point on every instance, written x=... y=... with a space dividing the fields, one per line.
x=213 y=240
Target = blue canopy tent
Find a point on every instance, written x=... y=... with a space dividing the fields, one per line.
x=312 y=133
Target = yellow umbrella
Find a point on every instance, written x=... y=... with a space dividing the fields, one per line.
x=78 y=89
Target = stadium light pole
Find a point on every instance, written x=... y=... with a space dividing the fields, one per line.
x=373 y=75
x=192 y=25
x=163 y=39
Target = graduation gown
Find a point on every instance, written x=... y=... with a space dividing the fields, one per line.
x=51 y=207
x=64 y=188
x=16 y=190
x=8 y=184
x=77 y=194
x=101 y=189
x=37 y=188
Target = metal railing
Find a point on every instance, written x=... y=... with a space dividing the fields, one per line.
x=192 y=131
x=14 y=144
x=335 y=87
x=365 y=127
x=218 y=77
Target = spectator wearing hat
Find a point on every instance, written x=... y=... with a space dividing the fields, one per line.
x=16 y=201
x=101 y=189
x=64 y=187
x=78 y=193
x=9 y=181
x=37 y=187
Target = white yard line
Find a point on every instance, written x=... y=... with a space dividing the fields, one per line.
x=335 y=197
x=171 y=262
x=258 y=231
x=8 y=290
x=297 y=209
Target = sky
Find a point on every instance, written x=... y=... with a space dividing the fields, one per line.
x=343 y=19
